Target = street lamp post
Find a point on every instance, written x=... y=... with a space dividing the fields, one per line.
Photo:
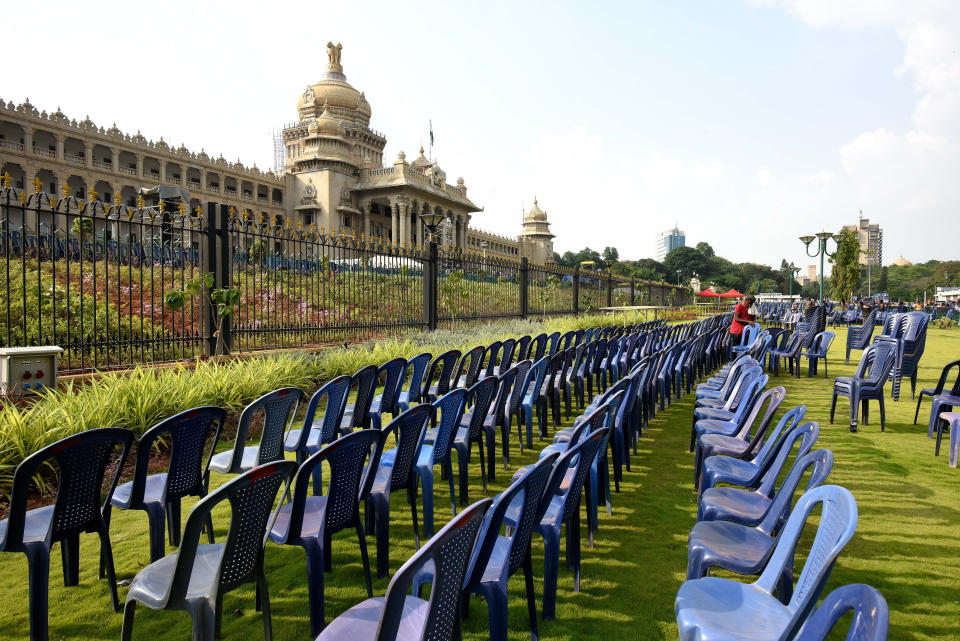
x=821 y=251
x=430 y=221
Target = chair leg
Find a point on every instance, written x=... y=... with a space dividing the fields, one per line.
x=483 y=464
x=551 y=562
x=412 y=499
x=156 y=518
x=265 y=605
x=916 y=414
x=854 y=403
x=531 y=598
x=38 y=562
x=883 y=415
x=126 y=630
x=107 y=554
x=833 y=407
x=315 y=587
x=453 y=495
x=364 y=556
x=173 y=522
x=70 y=554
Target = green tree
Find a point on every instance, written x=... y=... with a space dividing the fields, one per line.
x=882 y=284
x=705 y=249
x=610 y=254
x=845 y=275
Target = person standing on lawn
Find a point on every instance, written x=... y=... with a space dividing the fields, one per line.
x=741 y=318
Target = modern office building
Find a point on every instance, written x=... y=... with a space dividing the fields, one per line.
x=871 y=241
x=668 y=241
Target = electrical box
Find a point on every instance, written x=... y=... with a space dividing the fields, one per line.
x=27 y=370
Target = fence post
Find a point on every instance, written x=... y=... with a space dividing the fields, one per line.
x=632 y=289
x=576 y=290
x=609 y=289
x=430 y=286
x=219 y=263
x=523 y=281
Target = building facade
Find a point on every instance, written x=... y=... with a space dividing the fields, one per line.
x=871 y=241
x=668 y=241
x=334 y=175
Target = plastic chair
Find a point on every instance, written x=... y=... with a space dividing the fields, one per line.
x=357 y=414
x=817 y=352
x=870 y=621
x=187 y=435
x=317 y=432
x=866 y=384
x=399 y=616
x=507 y=351
x=80 y=461
x=952 y=419
x=392 y=371
x=714 y=608
x=939 y=389
x=468 y=369
x=531 y=387
x=745 y=548
x=441 y=369
x=279 y=408
x=859 y=337
x=396 y=472
x=537 y=348
x=750 y=333
x=196 y=577
x=470 y=431
x=523 y=348
x=490 y=357
x=561 y=506
x=517 y=395
x=309 y=521
x=417 y=366
x=497 y=416
x=437 y=451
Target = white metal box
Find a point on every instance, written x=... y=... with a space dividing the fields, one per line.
x=27 y=370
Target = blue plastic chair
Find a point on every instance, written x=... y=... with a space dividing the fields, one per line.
x=81 y=461
x=717 y=609
x=553 y=344
x=859 y=337
x=517 y=395
x=450 y=406
x=750 y=333
x=396 y=472
x=468 y=369
x=876 y=364
x=417 y=366
x=441 y=369
x=538 y=347
x=522 y=350
x=470 y=431
x=187 y=434
x=317 y=432
x=310 y=520
x=356 y=415
x=870 y=621
x=818 y=351
x=745 y=548
x=490 y=358
x=386 y=401
x=531 y=387
x=279 y=407
x=400 y=616
x=507 y=352
x=497 y=416
x=941 y=388
x=196 y=577
x=496 y=557
x=561 y=506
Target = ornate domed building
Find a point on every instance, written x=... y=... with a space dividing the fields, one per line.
x=335 y=172
x=536 y=241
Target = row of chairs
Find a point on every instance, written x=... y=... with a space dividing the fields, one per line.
x=748 y=524
x=304 y=519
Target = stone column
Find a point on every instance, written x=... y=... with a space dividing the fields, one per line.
x=395 y=222
x=116 y=160
x=88 y=154
x=27 y=146
x=59 y=138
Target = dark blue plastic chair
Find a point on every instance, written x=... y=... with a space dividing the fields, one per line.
x=400 y=616
x=468 y=369
x=278 y=408
x=870 y=621
x=876 y=364
x=417 y=366
x=196 y=577
x=386 y=401
x=745 y=548
x=716 y=608
x=396 y=472
x=531 y=387
x=859 y=337
x=310 y=520
x=507 y=352
x=187 y=435
x=817 y=352
x=470 y=431
x=561 y=506
x=80 y=462
x=941 y=388
x=357 y=414
x=497 y=417
x=441 y=369
x=523 y=348
x=538 y=347
x=490 y=358
x=317 y=432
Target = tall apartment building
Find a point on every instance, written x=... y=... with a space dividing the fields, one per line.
x=871 y=241
x=668 y=241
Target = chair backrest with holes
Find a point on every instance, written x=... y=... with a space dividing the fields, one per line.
x=335 y=392
x=365 y=382
x=278 y=407
x=450 y=406
x=409 y=430
x=417 y=366
x=391 y=371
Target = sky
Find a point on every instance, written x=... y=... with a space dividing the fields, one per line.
x=747 y=124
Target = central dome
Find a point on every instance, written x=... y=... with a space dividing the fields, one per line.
x=342 y=100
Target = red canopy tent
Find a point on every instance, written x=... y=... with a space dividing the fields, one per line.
x=708 y=292
x=731 y=294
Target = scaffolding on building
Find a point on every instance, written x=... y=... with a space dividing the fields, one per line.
x=279 y=152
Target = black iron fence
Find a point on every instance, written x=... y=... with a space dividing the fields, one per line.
x=116 y=285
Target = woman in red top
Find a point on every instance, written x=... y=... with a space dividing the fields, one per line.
x=741 y=318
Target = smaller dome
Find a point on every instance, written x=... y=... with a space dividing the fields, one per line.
x=902 y=262
x=326 y=124
x=535 y=213
x=421 y=163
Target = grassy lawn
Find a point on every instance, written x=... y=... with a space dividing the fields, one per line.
x=906 y=543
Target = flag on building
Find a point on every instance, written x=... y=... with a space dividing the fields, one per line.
x=431 y=133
